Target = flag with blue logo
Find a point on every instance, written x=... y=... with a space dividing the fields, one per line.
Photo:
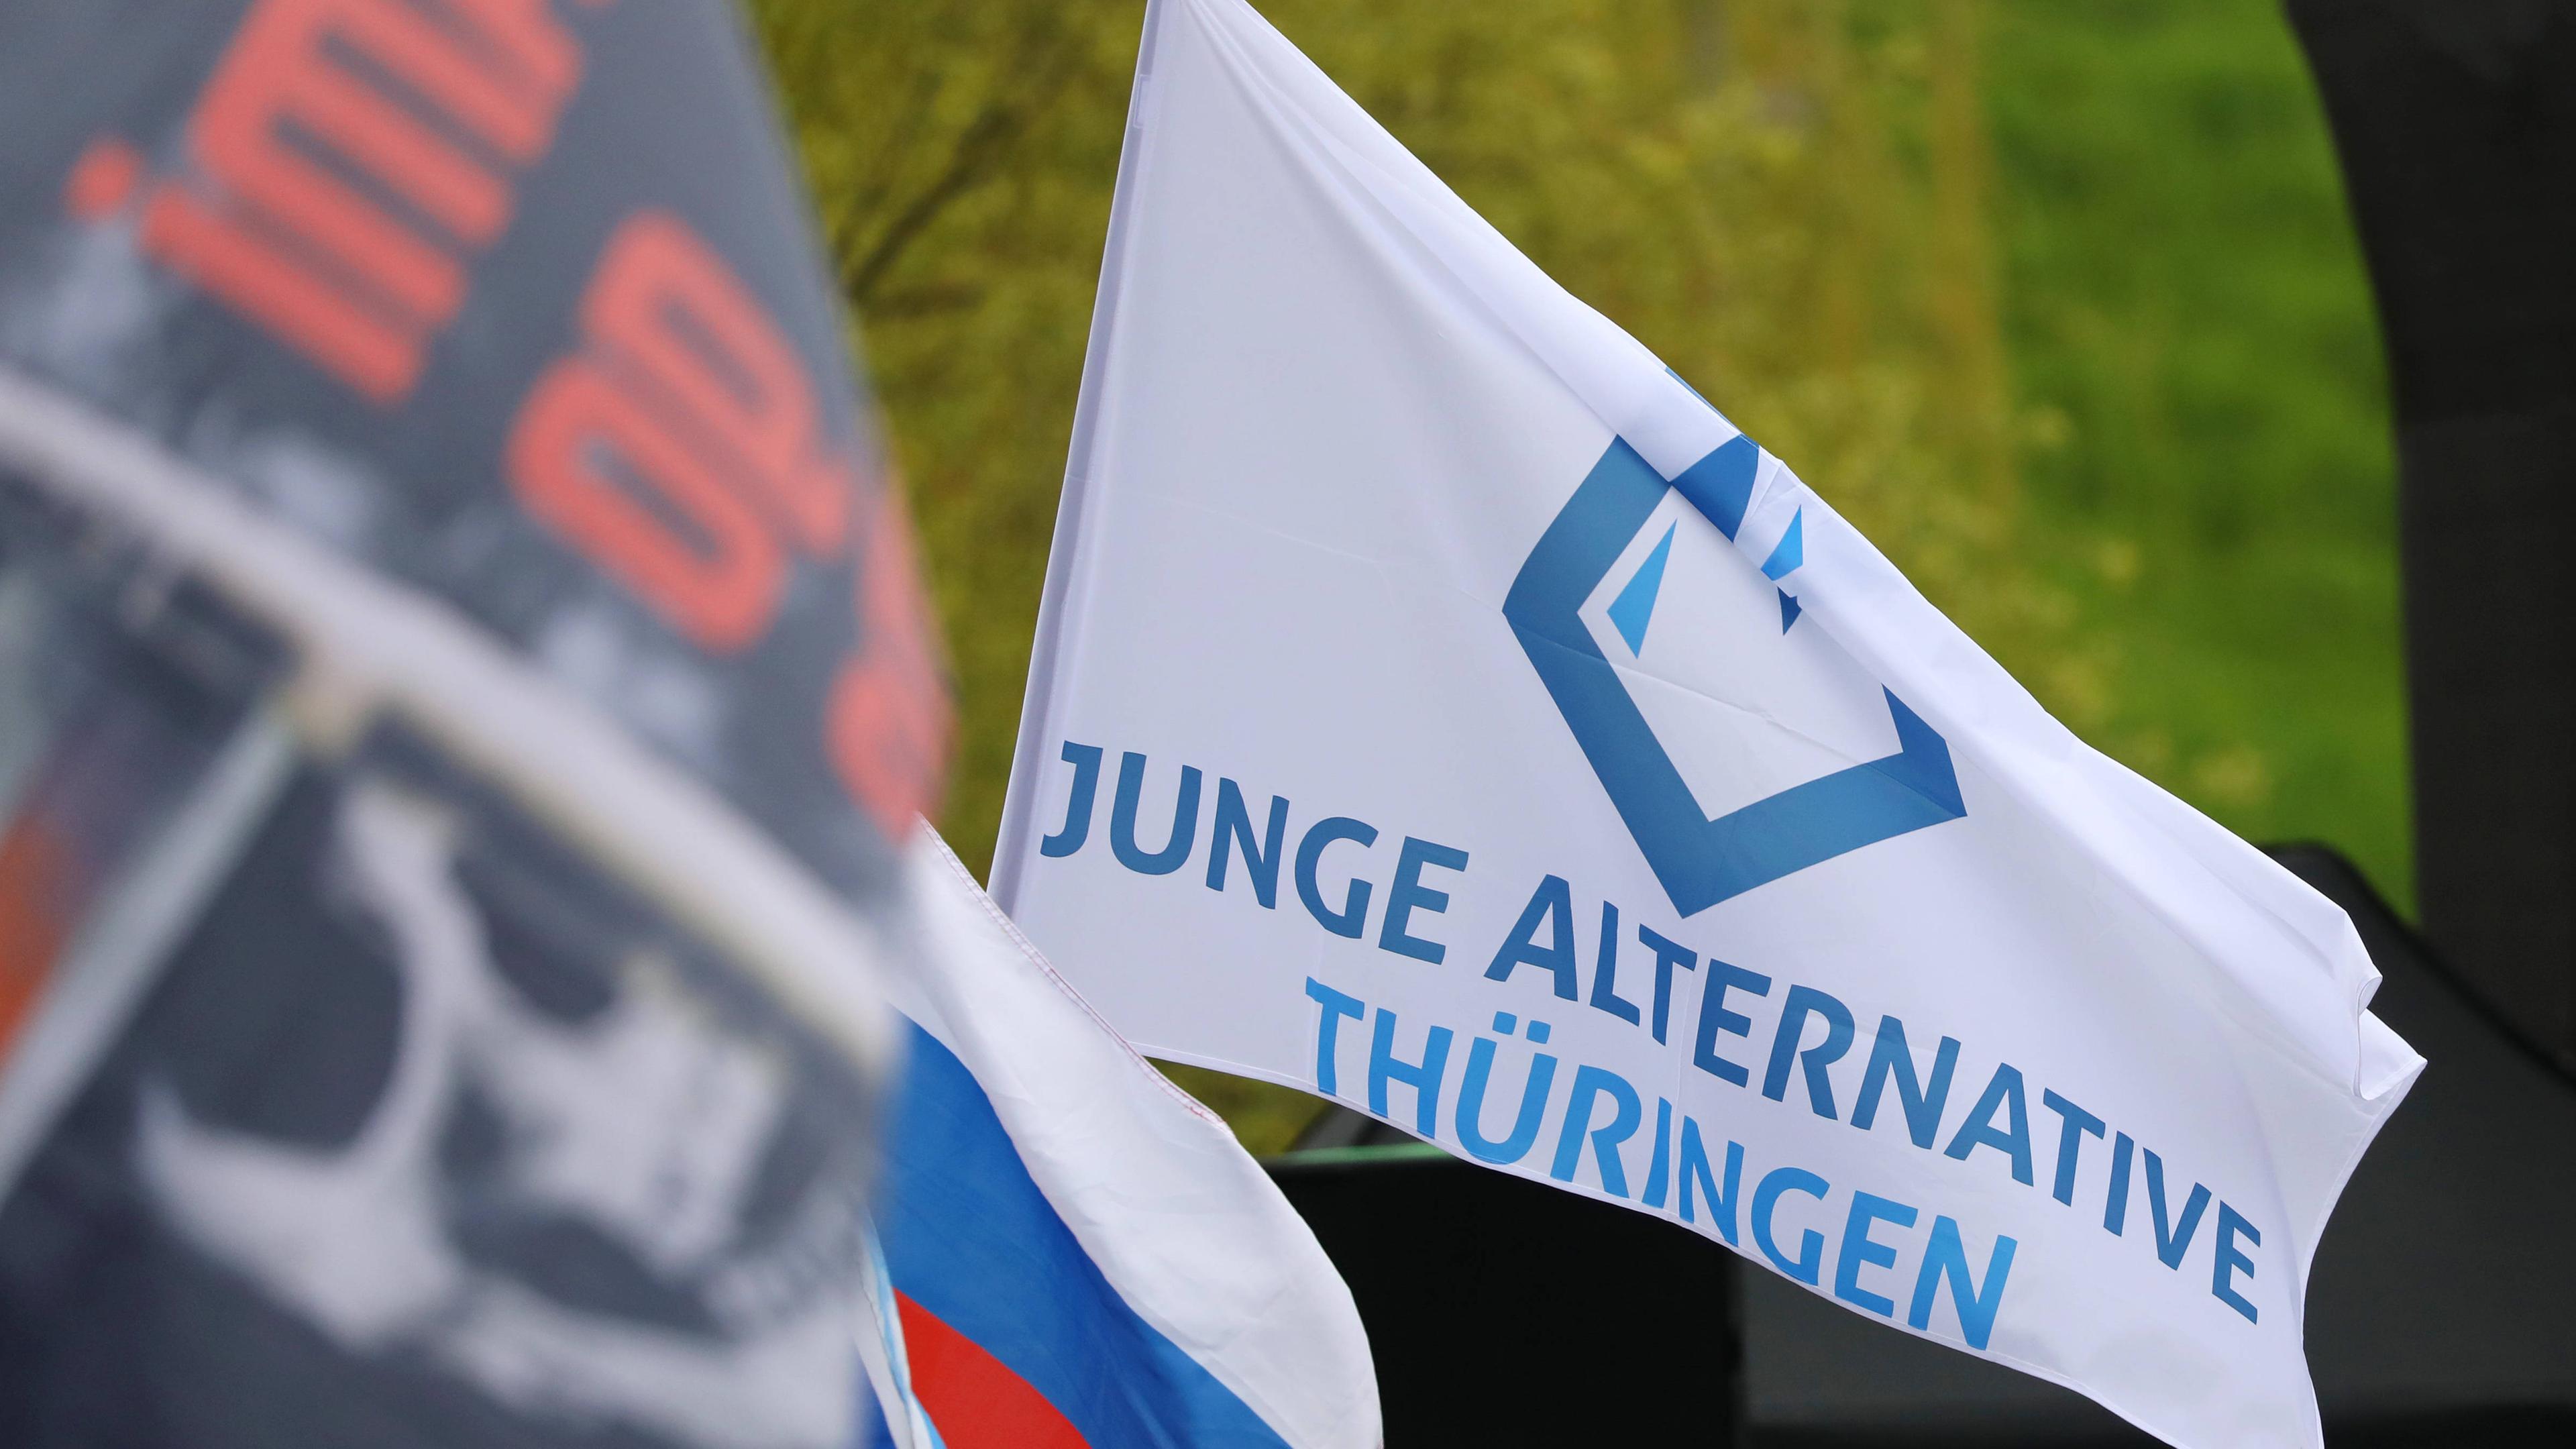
x=1078 y=1253
x=1440 y=707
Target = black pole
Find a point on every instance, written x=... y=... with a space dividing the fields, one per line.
x=2456 y=120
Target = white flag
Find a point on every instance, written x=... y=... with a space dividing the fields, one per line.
x=1439 y=707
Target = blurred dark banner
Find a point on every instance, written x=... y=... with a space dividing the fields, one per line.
x=2456 y=121
x=461 y=672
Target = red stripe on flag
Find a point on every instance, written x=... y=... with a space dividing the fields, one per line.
x=974 y=1399
x=40 y=887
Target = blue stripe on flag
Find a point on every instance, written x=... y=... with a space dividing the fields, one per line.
x=970 y=1238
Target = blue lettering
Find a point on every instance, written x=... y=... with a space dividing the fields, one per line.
x=1811 y=1246
x=1605 y=970
x=1422 y=1076
x=1802 y=1003
x=2074 y=1125
x=1714 y=1018
x=1328 y=1027
x=1408 y=894
x=2232 y=1260
x=1233 y=824
x=1860 y=1252
x=1352 y=918
x=1947 y=1257
x=1721 y=1198
x=1589 y=1083
x=1552 y=902
x=1471 y=1101
x=2115 y=1211
x=1891 y=1059
x=1122 y=820
x=1980 y=1131
x=2172 y=1243
x=1668 y=954
x=1659 y=1172
x=1085 y=760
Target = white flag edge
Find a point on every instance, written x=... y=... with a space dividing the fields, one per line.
x=1181 y=1220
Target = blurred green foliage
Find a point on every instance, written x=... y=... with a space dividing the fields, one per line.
x=2058 y=303
x=2203 y=418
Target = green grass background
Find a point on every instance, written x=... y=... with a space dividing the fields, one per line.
x=2058 y=301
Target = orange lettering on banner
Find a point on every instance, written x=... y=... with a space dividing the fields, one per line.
x=336 y=205
x=102 y=179
x=679 y=449
x=688 y=384
x=578 y=456
x=39 y=884
x=672 y=305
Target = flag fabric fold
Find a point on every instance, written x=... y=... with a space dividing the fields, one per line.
x=1083 y=1255
x=1437 y=705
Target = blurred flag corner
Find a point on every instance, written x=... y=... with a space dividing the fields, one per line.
x=1081 y=1254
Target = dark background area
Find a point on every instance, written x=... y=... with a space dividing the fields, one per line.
x=2436 y=1309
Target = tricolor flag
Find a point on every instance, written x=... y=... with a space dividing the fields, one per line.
x=1440 y=707
x=1082 y=1255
